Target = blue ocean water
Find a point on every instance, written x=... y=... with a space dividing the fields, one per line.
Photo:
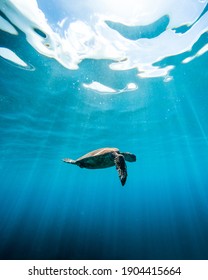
x=51 y=210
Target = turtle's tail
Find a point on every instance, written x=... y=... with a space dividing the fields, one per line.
x=68 y=160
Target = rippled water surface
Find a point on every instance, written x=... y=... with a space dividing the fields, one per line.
x=75 y=77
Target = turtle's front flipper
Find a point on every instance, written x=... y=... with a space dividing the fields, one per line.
x=121 y=168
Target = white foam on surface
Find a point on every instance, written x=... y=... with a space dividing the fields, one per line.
x=131 y=86
x=11 y=56
x=7 y=27
x=100 y=88
x=203 y=50
x=86 y=35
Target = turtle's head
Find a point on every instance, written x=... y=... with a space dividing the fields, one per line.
x=129 y=157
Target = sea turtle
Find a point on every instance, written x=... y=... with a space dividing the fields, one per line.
x=105 y=157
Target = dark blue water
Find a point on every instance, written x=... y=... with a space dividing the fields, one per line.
x=51 y=210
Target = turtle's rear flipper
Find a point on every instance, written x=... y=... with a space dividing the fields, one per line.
x=121 y=168
x=68 y=160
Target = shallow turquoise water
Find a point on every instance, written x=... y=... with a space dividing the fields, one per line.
x=50 y=210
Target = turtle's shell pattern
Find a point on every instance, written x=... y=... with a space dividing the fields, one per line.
x=100 y=158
